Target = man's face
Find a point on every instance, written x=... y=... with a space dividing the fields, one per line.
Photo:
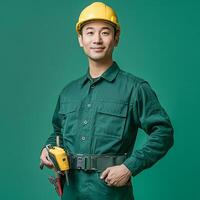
x=98 y=40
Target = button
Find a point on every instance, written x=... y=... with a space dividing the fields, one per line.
x=85 y=122
x=89 y=105
x=83 y=138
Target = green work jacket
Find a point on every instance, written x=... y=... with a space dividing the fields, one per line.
x=102 y=116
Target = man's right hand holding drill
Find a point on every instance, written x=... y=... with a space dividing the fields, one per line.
x=44 y=159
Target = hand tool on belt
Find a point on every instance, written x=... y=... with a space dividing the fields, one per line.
x=60 y=162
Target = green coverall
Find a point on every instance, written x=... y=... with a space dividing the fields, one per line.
x=103 y=117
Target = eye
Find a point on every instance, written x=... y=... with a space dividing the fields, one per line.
x=105 y=33
x=89 y=33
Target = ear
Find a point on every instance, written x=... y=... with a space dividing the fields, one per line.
x=117 y=38
x=80 y=40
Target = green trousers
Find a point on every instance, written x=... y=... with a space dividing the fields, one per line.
x=88 y=186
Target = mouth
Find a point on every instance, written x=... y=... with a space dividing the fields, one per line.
x=97 y=48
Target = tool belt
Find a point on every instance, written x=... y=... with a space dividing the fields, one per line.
x=95 y=162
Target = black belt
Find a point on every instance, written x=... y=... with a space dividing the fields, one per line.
x=95 y=162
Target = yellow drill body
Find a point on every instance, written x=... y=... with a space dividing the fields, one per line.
x=59 y=158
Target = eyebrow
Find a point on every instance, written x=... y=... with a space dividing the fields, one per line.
x=101 y=28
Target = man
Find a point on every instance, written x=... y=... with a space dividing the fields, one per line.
x=98 y=115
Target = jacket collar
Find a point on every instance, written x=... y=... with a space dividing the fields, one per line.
x=109 y=75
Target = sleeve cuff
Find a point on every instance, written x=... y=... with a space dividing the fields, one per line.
x=134 y=165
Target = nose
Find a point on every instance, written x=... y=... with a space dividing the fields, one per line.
x=97 y=39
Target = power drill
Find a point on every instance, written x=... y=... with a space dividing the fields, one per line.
x=61 y=167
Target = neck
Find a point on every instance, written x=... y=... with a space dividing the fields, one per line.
x=99 y=67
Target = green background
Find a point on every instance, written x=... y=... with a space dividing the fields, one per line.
x=40 y=54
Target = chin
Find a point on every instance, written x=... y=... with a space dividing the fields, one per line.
x=97 y=57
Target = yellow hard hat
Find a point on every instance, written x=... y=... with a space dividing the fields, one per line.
x=97 y=11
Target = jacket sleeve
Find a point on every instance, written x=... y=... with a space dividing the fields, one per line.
x=57 y=126
x=152 y=118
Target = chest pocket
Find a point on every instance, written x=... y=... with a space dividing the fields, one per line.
x=69 y=111
x=111 y=119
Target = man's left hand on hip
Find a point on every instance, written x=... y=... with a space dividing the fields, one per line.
x=116 y=176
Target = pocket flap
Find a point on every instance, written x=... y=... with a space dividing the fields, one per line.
x=68 y=107
x=111 y=108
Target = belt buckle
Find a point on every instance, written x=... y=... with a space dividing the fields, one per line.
x=85 y=162
x=80 y=164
